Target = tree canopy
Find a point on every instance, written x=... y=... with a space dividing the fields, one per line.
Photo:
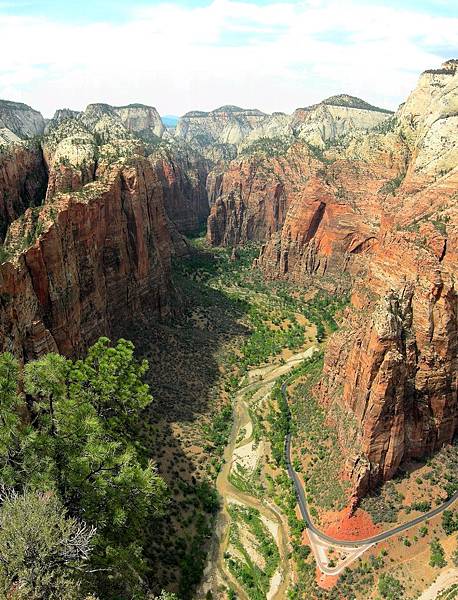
x=73 y=433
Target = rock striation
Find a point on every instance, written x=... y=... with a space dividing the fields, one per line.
x=23 y=181
x=182 y=173
x=19 y=122
x=341 y=195
x=371 y=209
x=222 y=133
x=86 y=261
x=96 y=248
x=216 y=134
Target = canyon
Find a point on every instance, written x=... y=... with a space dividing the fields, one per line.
x=341 y=196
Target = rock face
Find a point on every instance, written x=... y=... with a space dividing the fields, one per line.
x=393 y=367
x=99 y=249
x=182 y=173
x=340 y=194
x=19 y=121
x=217 y=133
x=375 y=212
x=335 y=117
x=143 y=121
x=23 y=181
x=100 y=255
x=251 y=198
x=222 y=133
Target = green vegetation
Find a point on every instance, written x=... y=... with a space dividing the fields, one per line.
x=42 y=549
x=437 y=558
x=451 y=593
x=389 y=587
x=317 y=440
x=384 y=504
x=421 y=505
x=455 y=557
x=387 y=126
x=450 y=521
x=391 y=186
x=254 y=579
x=81 y=444
x=217 y=432
x=4 y=253
x=270 y=147
x=247 y=480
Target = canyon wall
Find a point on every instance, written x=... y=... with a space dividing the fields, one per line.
x=183 y=175
x=98 y=250
x=99 y=256
x=340 y=195
x=23 y=181
x=374 y=212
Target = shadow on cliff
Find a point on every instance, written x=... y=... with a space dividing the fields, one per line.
x=185 y=354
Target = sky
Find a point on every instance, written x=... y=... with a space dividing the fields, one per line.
x=181 y=55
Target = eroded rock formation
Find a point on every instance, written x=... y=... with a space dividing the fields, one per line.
x=23 y=181
x=98 y=249
x=374 y=212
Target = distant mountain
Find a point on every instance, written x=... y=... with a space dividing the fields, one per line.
x=170 y=120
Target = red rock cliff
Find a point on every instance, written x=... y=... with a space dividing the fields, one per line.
x=99 y=256
x=23 y=181
x=376 y=213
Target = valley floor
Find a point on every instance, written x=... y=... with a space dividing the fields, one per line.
x=218 y=427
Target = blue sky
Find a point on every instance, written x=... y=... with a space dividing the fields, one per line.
x=115 y=10
x=197 y=54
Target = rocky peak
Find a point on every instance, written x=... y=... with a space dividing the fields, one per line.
x=61 y=114
x=21 y=120
x=138 y=119
x=353 y=102
x=428 y=121
x=226 y=127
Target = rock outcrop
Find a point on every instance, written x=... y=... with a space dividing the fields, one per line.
x=335 y=117
x=19 y=122
x=222 y=133
x=86 y=261
x=341 y=194
x=393 y=367
x=370 y=207
x=23 y=181
x=98 y=250
x=217 y=133
x=183 y=175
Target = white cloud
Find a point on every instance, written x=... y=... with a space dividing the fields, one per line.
x=276 y=56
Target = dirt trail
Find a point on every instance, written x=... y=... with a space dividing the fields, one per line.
x=444 y=581
x=259 y=380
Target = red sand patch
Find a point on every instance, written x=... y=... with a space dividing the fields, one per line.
x=342 y=526
x=305 y=538
x=326 y=582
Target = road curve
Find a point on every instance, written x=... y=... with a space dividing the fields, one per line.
x=301 y=499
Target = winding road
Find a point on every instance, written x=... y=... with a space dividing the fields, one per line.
x=301 y=499
x=217 y=573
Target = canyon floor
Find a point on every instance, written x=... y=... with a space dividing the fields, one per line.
x=216 y=370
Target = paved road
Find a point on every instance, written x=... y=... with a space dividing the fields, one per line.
x=301 y=499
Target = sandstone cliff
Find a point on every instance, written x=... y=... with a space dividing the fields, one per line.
x=98 y=250
x=335 y=117
x=85 y=261
x=19 y=121
x=23 y=180
x=182 y=173
x=222 y=133
x=393 y=367
x=372 y=211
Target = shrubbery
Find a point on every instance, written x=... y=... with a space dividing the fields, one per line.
x=80 y=444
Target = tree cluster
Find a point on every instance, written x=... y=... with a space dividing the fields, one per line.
x=80 y=489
